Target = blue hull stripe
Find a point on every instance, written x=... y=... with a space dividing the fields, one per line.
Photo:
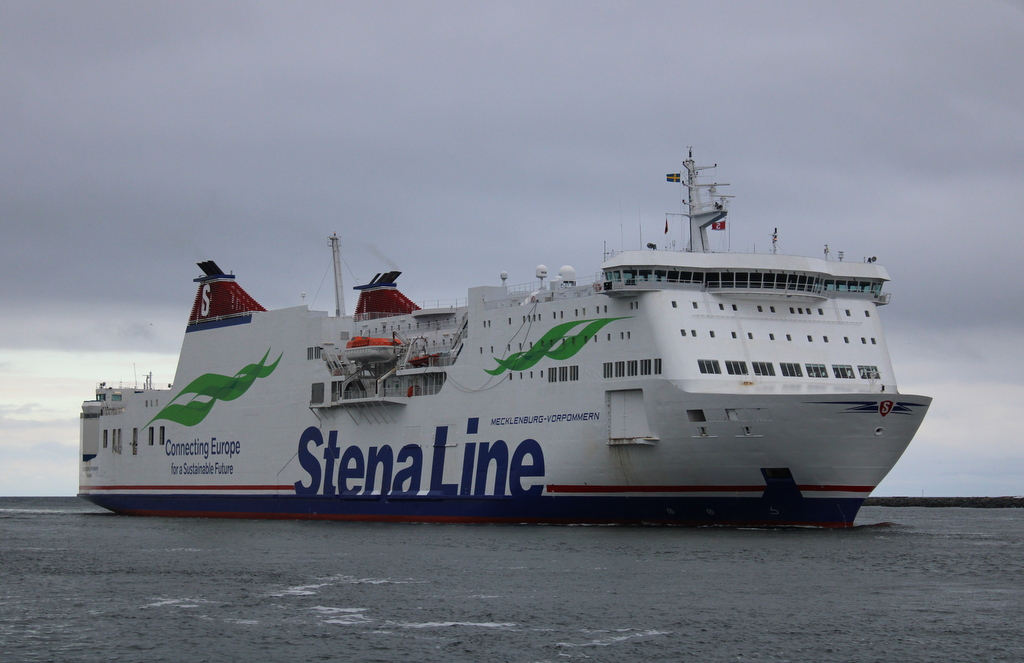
x=769 y=510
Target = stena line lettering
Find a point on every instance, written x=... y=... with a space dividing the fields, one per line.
x=383 y=471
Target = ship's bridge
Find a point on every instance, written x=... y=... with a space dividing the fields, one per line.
x=748 y=274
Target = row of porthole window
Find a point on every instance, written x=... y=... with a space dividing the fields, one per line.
x=789 y=370
x=632 y=368
x=555 y=374
x=795 y=310
x=555 y=315
x=112 y=438
x=789 y=337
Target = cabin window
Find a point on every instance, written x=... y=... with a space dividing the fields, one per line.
x=771 y=337
x=791 y=370
x=162 y=436
x=825 y=338
x=631 y=367
x=873 y=342
x=736 y=367
x=867 y=314
x=763 y=368
x=788 y=337
x=846 y=339
x=868 y=372
x=694 y=304
x=844 y=371
x=317 y=393
x=574 y=373
x=772 y=309
x=151 y=436
x=693 y=332
x=710 y=366
x=682 y=332
x=657 y=366
x=721 y=307
x=674 y=305
x=816 y=370
x=750 y=335
x=620 y=369
x=645 y=367
x=104 y=438
x=759 y=309
x=734 y=334
x=115 y=397
x=734 y=307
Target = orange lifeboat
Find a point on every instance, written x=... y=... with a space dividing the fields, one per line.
x=370 y=350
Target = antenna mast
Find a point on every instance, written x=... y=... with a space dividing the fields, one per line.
x=702 y=214
x=339 y=297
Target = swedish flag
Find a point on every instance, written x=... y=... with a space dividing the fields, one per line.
x=672 y=177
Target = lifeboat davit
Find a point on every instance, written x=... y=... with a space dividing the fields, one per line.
x=369 y=350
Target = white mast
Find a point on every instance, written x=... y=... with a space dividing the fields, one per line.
x=339 y=297
x=702 y=214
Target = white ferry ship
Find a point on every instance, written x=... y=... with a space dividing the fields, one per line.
x=682 y=387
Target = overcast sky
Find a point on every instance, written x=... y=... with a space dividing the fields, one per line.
x=454 y=140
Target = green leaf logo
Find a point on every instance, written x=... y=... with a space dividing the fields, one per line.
x=209 y=388
x=546 y=346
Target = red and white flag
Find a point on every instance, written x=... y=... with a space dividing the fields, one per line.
x=718 y=225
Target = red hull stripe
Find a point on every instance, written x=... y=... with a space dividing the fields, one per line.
x=553 y=488
x=556 y=488
x=178 y=488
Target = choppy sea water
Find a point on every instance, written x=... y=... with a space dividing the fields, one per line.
x=907 y=584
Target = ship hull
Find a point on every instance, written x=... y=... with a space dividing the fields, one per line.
x=760 y=511
x=564 y=406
